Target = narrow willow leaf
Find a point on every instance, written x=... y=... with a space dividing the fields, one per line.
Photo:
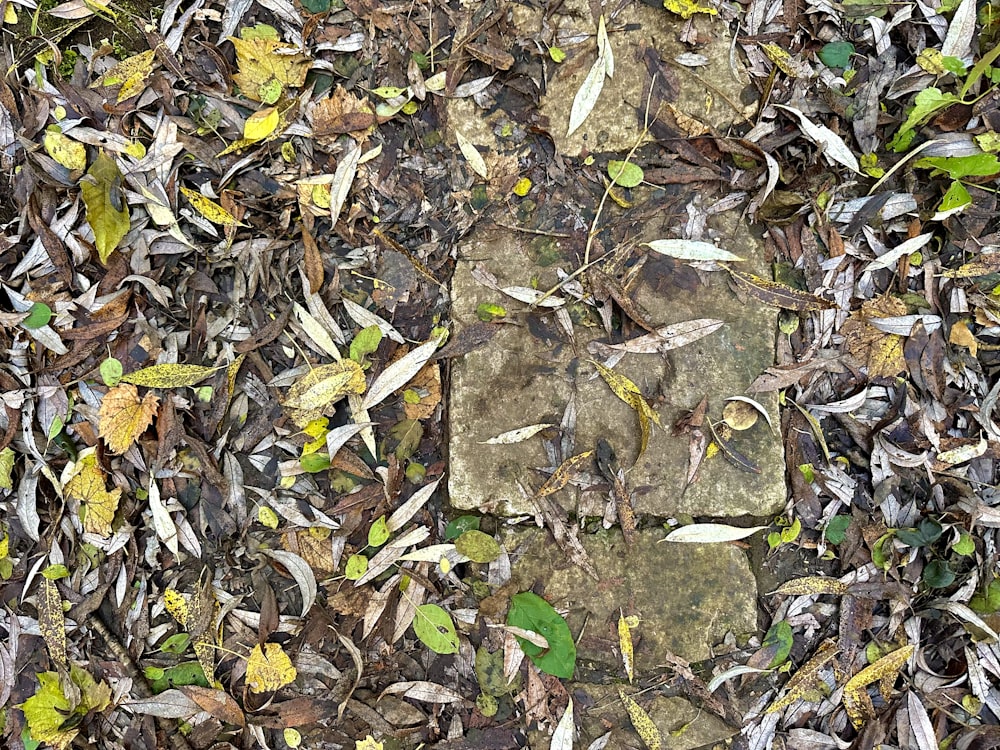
x=107 y=213
x=210 y=209
x=51 y=622
x=399 y=373
x=856 y=700
x=806 y=678
x=586 y=97
x=644 y=725
x=812 y=585
x=711 y=533
x=691 y=250
x=560 y=478
x=472 y=155
x=833 y=145
x=625 y=646
x=562 y=736
x=779 y=295
x=169 y=375
x=517 y=436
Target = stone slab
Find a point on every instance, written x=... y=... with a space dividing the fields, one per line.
x=528 y=373
x=687 y=596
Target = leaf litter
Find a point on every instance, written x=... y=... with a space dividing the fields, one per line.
x=159 y=189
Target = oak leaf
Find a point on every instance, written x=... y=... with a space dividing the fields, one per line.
x=124 y=416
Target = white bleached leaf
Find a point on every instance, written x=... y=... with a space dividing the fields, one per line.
x=517 y=436
x=708 y=533
x=170 y=704
x=562 y=737
x=902 y=325
x=301 y=572
x=920 y=723
x=664 y=339
x=833 y=145
x=964 y=453
x=890 y=257
x=472 y=155
x=399 y=373
x=729 y=674
x=315 y=331
x=586 y=97
x=958 y=42
x=691 y=250
x=336 y=437
x=424 y=691
x=163 y=524
x=366 y=318
x=343 y=178
x=532 y=296
x=755 y=405
x=406 y=511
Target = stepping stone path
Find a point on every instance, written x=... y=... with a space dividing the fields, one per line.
x=688 y=597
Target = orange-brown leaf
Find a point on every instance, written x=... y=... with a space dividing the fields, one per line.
x=124 y=416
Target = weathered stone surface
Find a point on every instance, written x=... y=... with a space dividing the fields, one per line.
x=687 y=596
x=682 y=726
x=529 y=372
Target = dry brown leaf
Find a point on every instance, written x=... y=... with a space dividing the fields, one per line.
x=881 y=353
x=427 y=385
x=124 y=417
x=560 y=478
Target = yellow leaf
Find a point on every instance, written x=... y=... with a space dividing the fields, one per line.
x=806 y=678
x=176 y=605
x=10 y=14
x=47 y=710
x=267 y=517
x=856 y=700
x=560 y=478
x=644 y=726
x=687 y=8
x=88 y=486
x=124 y=417
x=210 y=209
x=812 y=585
x=131 y=73
x=169 y=375
x=71 y=154
x=962 y=336
x=107 y=211
x=368 y=743
x=629 y=392
x=51 y=622
x=625 y=644
x=522 y=187
x=269 y=668
x=261 y=124
x=263 y=70
x=321 y=387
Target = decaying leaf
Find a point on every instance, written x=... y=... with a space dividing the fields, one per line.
x=687 y=8
x=107 y=213
x=71 y=154
x=131 y=73
x=629 y=392
x=210 y=209
x=88 y=486
x=265 y=68
x=812 y=585
x=805 y=680
x=560 y=478
x=269 y=668
x=123 y=416
x=169 y=375
x=881 y=353
x=321 y=387
x=625 y=646
x=778 y=295
x=856 y=699
x=52 y=623
x=644 y=725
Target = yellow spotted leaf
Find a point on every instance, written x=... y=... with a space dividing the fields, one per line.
x=51 y=622
x=107 y=211
x=880 y=352
x=169 y=375
x=71 y=154
x=269 y=668
x=176 y=605
x=812 y=585
x=210 y=209
x=132 y=73
x=644 y=726
x=368 y=743
x=778 y=295
x=124 y=416
x=561 y=476
x=322 y=387
x=629 y=392
x=625 y=644
x=261 y=124
x=856 y=699
x=805 y=680
x=687 y=8
x=266 y=67
x=88 y=486
x=46 y=712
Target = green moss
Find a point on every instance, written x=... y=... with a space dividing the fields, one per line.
x=69 y=58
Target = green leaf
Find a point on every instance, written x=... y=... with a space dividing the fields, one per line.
x=625 y=173
x=925 y=534
x=836 y=530
x=186 y=673
x=478 y=547
x=925 y=105
x=836 y=54
x=47 y=709
x=938 y=574
x=314 y=462
x=316 y=6
x=357 y=566
x=7 y=468
x=408 y=432
x=434 y=627
x=379 y=532
x=365 y=343
x=107 y=212
x=55 y=572
x=556 y=54
x=111 y=372
x=459 y=526
x=956 y=197
x=176 y=644
x=531 y=612
x=488 y=312
x=965 y=545
x=957 y=167
x=779 y=640
x=39 y=315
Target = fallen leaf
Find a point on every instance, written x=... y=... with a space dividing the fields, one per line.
x=561 y=476
x=132 y=73
x=711 y=533
x=322 y=387
x=586 y=97
x=210 y=209
x=261 y=124
x=778 y=295
x=644 y=725
x=269 y=668
x=399 y=373
x=856 y=700
x=265 y=70
x=169 y=375
x=52 y=623
x=881 y=353
x=517 y=436
x=625 y=646
x=71 y=154
x=107 y=212
x=687 y=8
x=691 y=250
x=472 y=155
x=88 y=486
x=123 y=416
x=629 y=392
